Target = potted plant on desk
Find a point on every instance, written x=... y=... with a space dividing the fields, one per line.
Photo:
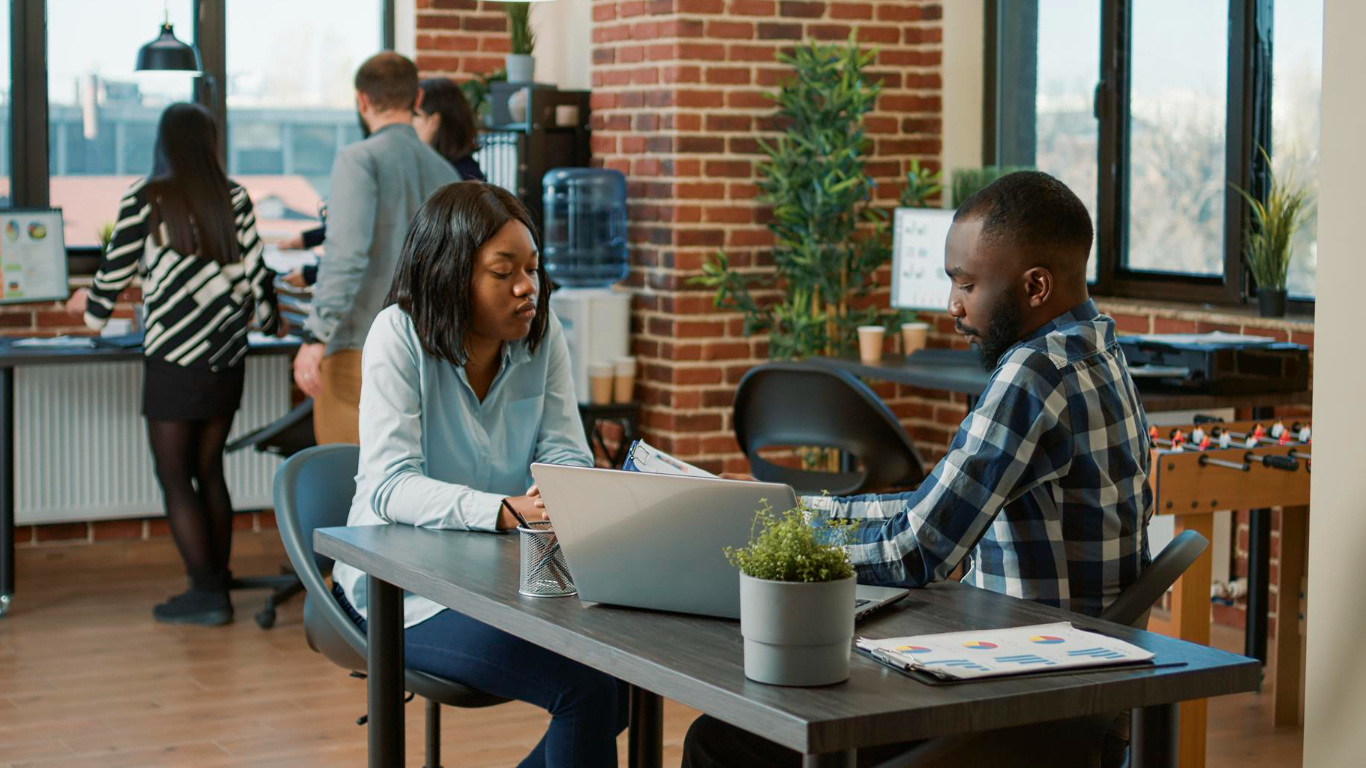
x=796 y=599
x=1271 y=229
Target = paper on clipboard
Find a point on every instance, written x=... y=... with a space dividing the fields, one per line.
x=645 y=458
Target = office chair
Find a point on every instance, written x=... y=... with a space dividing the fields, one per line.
x=283 y=437
x=313 y=489
x=1064 y=742
x=802 y=404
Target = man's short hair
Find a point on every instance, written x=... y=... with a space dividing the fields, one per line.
x=1030 y=210
x=389 y=81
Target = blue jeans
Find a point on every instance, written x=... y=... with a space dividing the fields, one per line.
x=588 y=708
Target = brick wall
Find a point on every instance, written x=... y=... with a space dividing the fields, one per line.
x=460 y=38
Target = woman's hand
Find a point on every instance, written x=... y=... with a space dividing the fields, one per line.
x=528 y=506
x=296 y=279
x=291 y=243
x=76 y=305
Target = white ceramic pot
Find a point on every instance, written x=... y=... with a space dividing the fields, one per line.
x=521 y=68
x=797 y=633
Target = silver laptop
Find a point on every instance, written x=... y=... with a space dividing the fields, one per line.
x=657 y=541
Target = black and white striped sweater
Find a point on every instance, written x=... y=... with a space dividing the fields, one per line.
x=196 y=310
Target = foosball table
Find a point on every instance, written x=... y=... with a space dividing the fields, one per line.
x=1198 y=469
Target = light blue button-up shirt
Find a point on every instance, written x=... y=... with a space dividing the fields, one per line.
x=433 y=455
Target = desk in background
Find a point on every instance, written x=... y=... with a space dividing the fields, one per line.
x=50 y=364
x=699 y=662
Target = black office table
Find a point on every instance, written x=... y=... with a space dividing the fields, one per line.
x=699 y=662
x=12 y=357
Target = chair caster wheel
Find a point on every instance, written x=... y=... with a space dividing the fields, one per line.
x=265 y=619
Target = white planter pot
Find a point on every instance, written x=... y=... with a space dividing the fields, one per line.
x=797 y=633
x=521 y=68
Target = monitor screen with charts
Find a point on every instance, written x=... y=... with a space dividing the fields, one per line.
x=32 y=255
x=918 y=279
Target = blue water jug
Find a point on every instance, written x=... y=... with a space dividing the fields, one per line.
x=584 y=243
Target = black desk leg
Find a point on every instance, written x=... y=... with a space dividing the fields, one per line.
x=6 y=488
x=845 y=759
x=645 y=734
x=1153 y=735
x=385 y=669
x=1258 y=571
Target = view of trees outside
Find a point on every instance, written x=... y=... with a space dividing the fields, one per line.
x=1295 y=105
x=1067 y=133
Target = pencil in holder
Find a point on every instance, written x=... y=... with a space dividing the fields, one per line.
x=544 y=572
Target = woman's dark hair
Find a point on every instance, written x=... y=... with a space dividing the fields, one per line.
x=433 y=283
x=457 y=134
x=188 y=189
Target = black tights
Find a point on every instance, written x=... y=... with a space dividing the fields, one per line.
x=189 y=465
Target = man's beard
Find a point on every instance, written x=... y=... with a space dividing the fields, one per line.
x=1002 y=332
x=364 y=129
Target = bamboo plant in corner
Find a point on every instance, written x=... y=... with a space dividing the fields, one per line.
x=1272 y=225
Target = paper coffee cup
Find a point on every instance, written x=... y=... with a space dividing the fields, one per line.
x=914 y=336
x=600 y=383
x=624 y=379
x=870 y=342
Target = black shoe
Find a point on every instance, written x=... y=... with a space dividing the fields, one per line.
x=206 y=608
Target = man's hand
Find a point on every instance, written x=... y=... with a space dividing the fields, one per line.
x=291 y=243
x=296 y=279
x=307 y=366
x=76 y=305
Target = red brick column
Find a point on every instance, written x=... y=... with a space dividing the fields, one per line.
x=678 y=103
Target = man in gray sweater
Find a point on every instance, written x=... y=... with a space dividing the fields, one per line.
x=378 y=185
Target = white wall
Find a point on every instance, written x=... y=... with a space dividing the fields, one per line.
x=964 y=38
x=564 y=50
x=1336 y=698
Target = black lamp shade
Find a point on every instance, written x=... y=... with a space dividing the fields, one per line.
x=168 y=54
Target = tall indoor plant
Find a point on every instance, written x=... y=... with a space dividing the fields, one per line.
x=1271 y=229
x=796 y=598
x=521 y=65
x=829 y=238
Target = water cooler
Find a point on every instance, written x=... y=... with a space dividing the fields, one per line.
x=584 y=249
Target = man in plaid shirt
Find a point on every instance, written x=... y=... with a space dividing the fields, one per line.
x=1045 y=487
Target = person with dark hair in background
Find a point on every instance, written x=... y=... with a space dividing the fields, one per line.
x=378 y=184
x=444 y=121
x=1045 y=486
x=466 y=384
x=191 y=232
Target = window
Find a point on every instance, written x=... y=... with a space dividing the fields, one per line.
x=1297 y=64
x=1151 y=111
x=102 y=115
x=291 y=100
x=5 y=101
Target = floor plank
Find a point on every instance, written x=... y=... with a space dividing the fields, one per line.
x=88 y=679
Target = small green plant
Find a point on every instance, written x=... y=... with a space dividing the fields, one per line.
x=786 y=547
x=519 y=27
x=921 y=185
x=477 y=91
x=106 y=234
x=966 y=181
x=1272 y=226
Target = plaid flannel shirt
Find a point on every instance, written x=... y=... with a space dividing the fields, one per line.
x=1045 y=484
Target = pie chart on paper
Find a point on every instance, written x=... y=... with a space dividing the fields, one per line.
x=912 y=649
x=979 y=645
x=1045 y=639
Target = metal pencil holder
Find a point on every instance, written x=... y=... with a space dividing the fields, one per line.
x=543 y=572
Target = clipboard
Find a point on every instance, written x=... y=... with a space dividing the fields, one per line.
x=925 y=677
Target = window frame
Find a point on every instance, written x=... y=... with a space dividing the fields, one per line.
x=1248 y=110
x=30 y=176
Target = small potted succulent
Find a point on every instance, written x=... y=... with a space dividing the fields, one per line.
x=1271 y=230
x=796 y=598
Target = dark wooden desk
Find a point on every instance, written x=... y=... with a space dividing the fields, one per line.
x=12 y=357
x=699 y=662
x=954 y=370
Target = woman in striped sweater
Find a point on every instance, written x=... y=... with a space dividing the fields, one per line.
x=190 y=233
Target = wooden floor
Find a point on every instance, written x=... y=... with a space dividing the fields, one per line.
x=88 y=679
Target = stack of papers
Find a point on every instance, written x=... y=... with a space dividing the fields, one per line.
x=1001 y=652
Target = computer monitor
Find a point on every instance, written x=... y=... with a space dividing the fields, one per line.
x=918 y=279
x=32 y=256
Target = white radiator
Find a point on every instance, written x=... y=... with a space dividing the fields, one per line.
x=81 y=450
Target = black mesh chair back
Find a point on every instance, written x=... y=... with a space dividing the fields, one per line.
x=806 y=404
x=285 y=436
x=1135 y=602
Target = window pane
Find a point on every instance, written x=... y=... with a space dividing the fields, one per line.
x=1067 y=138
x=1177 y=128
x=1297 y=62
x=102 y=115
x=5 y=197
x=291 y=102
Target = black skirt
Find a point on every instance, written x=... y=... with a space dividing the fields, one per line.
x=173 y=392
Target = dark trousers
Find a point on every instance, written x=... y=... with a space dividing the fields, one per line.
x=588 y=708
x=711 y=743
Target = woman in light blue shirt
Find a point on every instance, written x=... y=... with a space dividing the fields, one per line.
x=466 y=383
